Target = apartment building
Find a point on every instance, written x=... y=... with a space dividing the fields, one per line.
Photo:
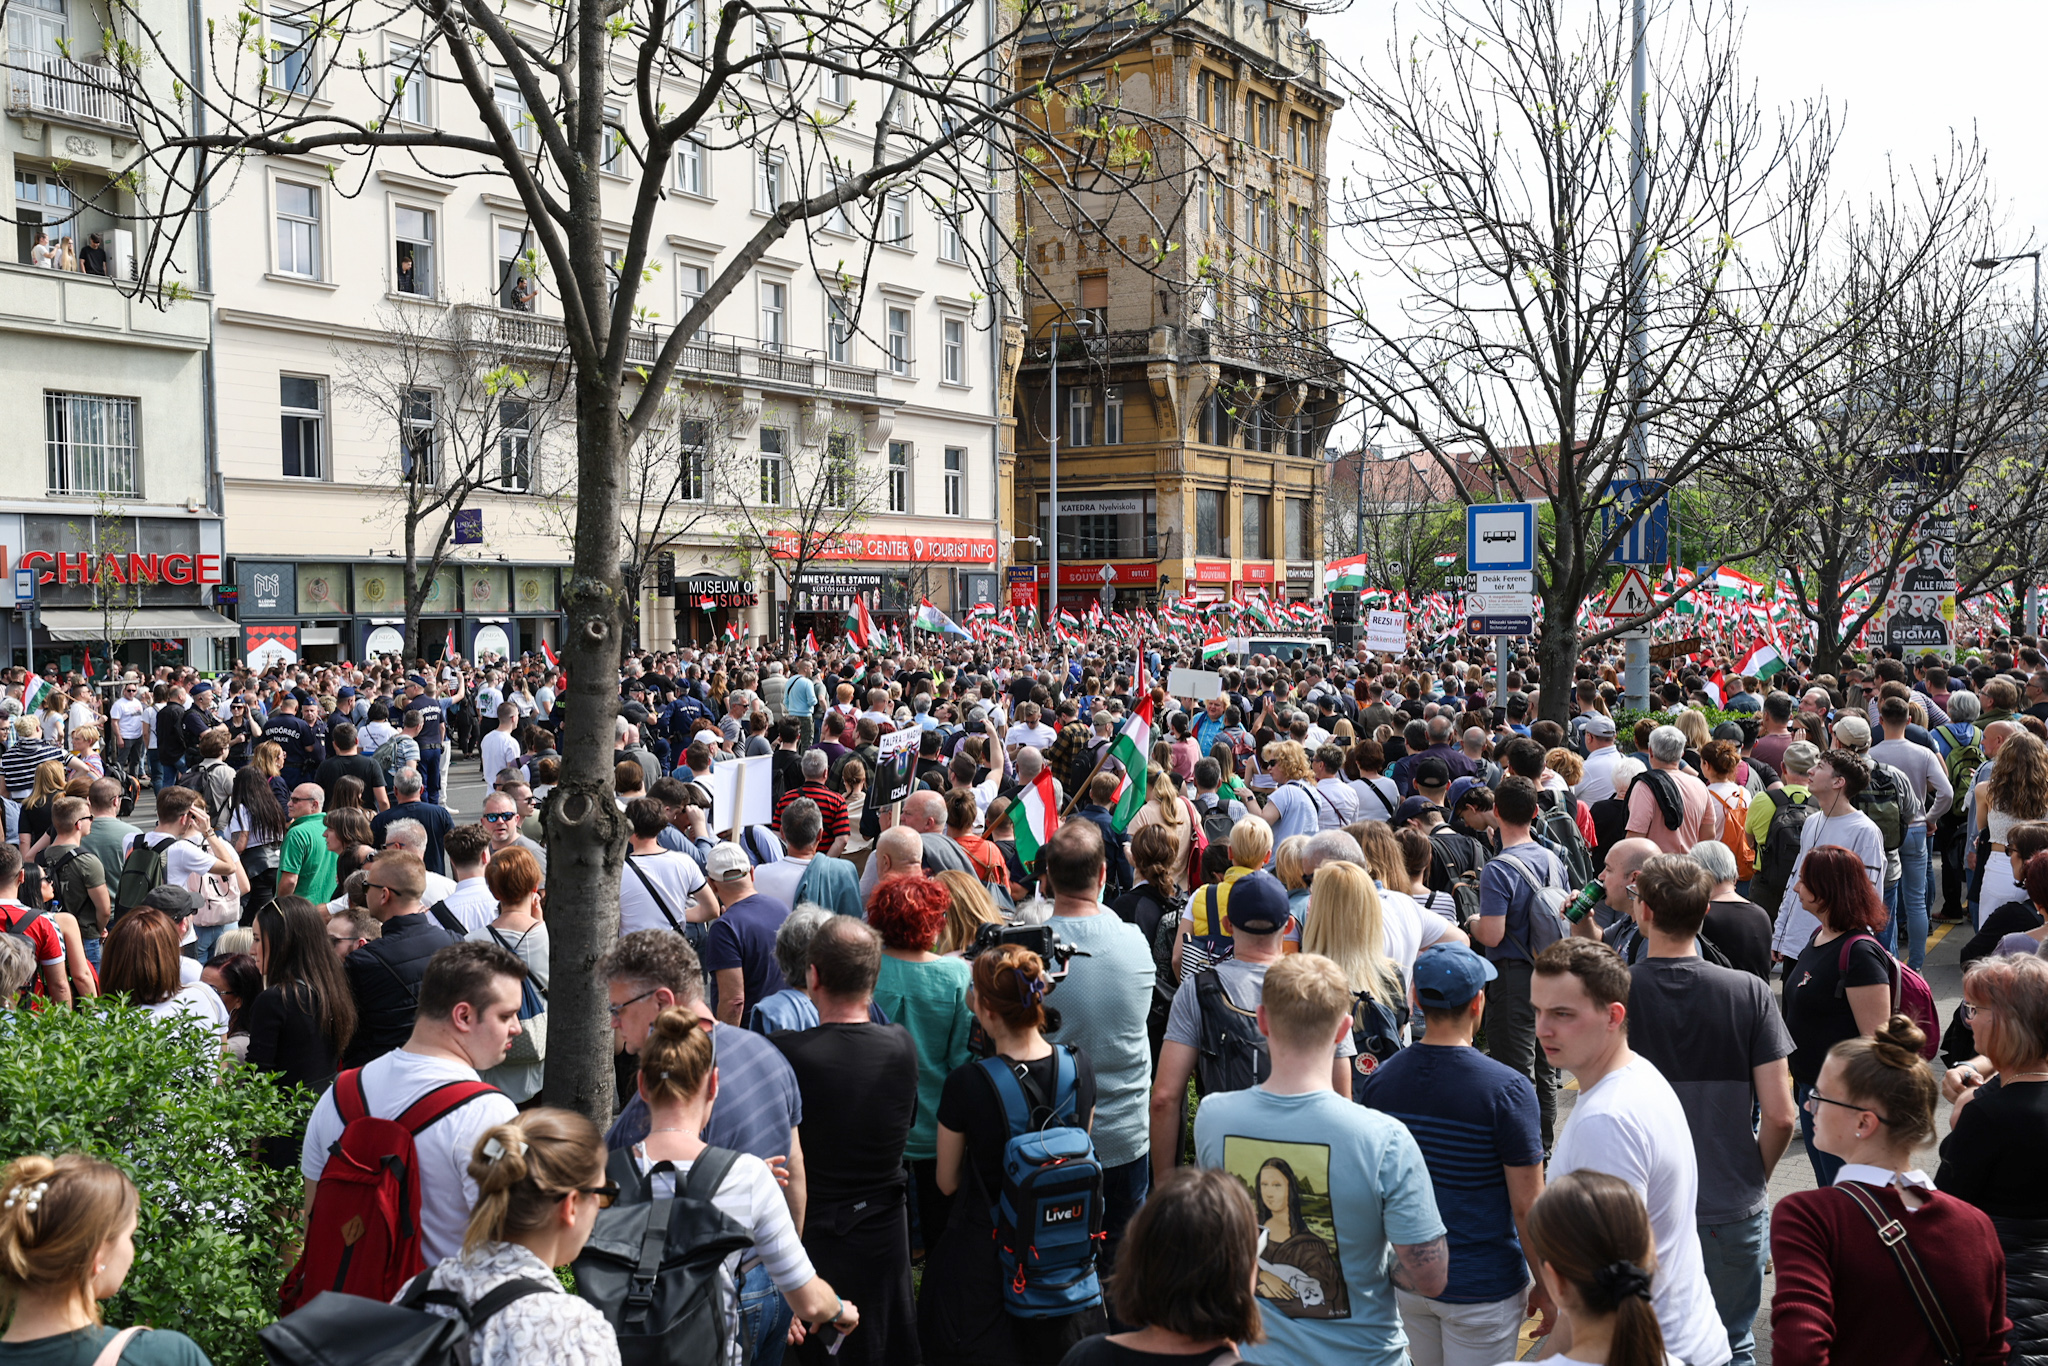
x=111 y=500
x=323 y=261
x=1188 y=389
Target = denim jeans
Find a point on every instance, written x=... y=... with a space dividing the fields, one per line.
x=208 y=936
x=430 y=774
x=1735 y=1254
x=1825 y=1165
x=92 y=953
x=764 y=1317
x=1911 y=916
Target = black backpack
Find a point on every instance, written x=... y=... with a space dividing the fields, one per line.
x=144 y=870
x=1779 y=853
x=1216 y=822
x=336 y=1329
x=665 y=1295
x=1375 y=1031
x=1558 y=832
x=1234 y=1056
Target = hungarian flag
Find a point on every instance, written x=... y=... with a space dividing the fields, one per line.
x=1069 y=620
x=1036 y=816
x=1345 y=574
x=547 y=652
x=448 y=646
x=982 y=611
x=1761 y=662
x=1256 y=610
x=860 y=627
x=733 y=632
x=1130 y=747
x=1713 y=687
x=88 y=663
x=930 y=618
x=32 y=696
x=1214 y=647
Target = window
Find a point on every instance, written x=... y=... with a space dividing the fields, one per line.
x=1251 y=219
x=693 y=444
x=515 y=445
x=1251 y=118
x=899 y=341
x=1222 y=207
x=1112 y=414
x=302 y=407
x=1212 y=101
x=835 y=85
x=291 y=54
x=899 y=476
x=840 y=219
x=1095 y=302
x=896 y=218
x=415 y=252
x=771 y=466
x=512 y=108
x=1210 y=536
x=1298 y=230
x=690 y=177
x=953 y=332
x=839 y=471
x=774 y=305
x=1297 y=529
x=951 y=246
x=516 y=289
x=38 y=26
x=298 y=230
x=1268 y=222
x=419 y=442
x=1080 y=416
x=1255 y=526
x=839 y=330
x=411 y=89
x=1266 y=124
x=691 y=282
x=956 y=481
x=686 y=26
x=33 y=188
x=1212 y=423
x=91 y=443
x=773 y=169
x=612 y=152
x=1202 y=97
x=1198 y=194
x=768 y=37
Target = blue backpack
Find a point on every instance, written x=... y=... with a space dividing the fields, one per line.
x=1049 y=1216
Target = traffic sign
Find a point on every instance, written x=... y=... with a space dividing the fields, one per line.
x=1500 y=536
x=1649 y=533
x=1632 y=596
x=1495 y=583
x=1524 y=625
x=25 y=586
x=1641 y=632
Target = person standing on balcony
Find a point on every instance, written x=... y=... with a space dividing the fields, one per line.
x=93 y=260
x=69 y=260
x=42 y=253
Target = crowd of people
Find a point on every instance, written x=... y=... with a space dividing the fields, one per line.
x=1104 y=1025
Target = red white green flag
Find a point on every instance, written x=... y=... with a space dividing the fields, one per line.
x=1036 y=817
x=1131 y=746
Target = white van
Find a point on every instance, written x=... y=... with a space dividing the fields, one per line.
x=1290 y=648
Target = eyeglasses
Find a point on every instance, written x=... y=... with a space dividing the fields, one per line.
x=498 y=817
x=1970 y=1011
x=620 y=1009
x=607 y=1194
x=1813 y=1096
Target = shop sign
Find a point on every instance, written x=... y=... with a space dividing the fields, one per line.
x=384 y=640
x=838 y=581
x=1023 y=585
x=82 y=566
x=1101 y=507
x=1144 y=573
x=1298 y=572
x=268 y=590
x=491 y=640
x=707 y=591
x=978 y=589
x=1212 y=571
x=264 y=646
x=1257 y=573
x=889 y=548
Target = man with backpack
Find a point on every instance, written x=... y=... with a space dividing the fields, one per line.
x=1476 y=1124
x=1775 y=816
x=1557 y=809
x=1837 y=781
x=73 y=877
x=1928 y=778
x=385 y=975
x=400 y=1131
x=1961 y=746
x=32 y=926
x=1894 y=805
x=1216 y=812
x=1717 y=1035
x=1325 y=1299
x=1522 y=891
x=181 y=849
x=1211 y=1034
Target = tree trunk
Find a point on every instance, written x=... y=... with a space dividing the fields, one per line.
x=586 y=835
x=1557 y=655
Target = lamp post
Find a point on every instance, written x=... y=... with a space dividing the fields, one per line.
x=1637 y=675
x=2029 y=606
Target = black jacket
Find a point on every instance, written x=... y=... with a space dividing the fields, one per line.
x=384 y=976
x=2026 y=1287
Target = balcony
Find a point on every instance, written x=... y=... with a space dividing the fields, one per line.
x=710 y=356
x=1280 y=353
x=45 y=85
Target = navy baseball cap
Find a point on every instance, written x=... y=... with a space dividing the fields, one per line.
x=1432 y=772
x=1458 y=790
x=1414 y=808
x=1450 y=975
x=1258 y=904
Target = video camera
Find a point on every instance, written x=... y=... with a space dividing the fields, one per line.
x=1042 y=940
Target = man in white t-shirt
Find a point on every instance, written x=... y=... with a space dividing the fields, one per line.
x=130 y=719
x=1029 y=730
x=193 y=851
x=468 y=1017
x=659 y=889
x=500 y=748
x=1628 y=1122
x=1836 y=782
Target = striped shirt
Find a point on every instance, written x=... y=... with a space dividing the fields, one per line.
x=19 y=764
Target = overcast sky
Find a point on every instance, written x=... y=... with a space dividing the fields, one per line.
x=1900 y=74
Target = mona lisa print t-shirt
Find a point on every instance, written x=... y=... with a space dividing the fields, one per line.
x=1334 y=1184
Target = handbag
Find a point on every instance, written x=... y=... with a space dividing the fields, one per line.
x=1892 y=1234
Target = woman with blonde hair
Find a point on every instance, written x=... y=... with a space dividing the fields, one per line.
x=678 y=1080
x=33 y=824
x=2017 y=791
x=268 y=759
x=1347 y=926
x=971 y=908
x=1693 y=726
x=85 y=762
x=67 y=1241
x=540 y=1181
x=1167 y=808
x=1290 y=808
x=1287 y=856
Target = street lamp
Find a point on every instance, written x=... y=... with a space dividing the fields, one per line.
x=1052 y=452
x=2029 y=609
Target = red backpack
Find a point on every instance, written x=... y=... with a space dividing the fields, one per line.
x=1911 y=996
x=364 y=1234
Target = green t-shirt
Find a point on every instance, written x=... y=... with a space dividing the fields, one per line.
x=153 y=1347
x=306 y=853
x=929 y=1000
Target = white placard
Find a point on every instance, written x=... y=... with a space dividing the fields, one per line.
x=758 y=800
x=271 y=651
x=1386 y=631
x=1197 y=685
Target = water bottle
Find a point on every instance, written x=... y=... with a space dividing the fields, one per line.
x=1579 y=906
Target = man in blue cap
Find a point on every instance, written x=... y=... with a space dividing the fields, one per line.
x=1477 y=1124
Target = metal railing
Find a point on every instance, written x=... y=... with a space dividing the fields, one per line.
x=47 y=84
x=1280 y=351
x=709 y=354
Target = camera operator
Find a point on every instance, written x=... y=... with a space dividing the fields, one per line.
x=1105 y=994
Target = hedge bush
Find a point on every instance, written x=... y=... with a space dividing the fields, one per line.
x=1625 y=719
x=160 y=1100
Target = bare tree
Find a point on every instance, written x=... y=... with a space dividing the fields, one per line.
x=1493 y=194
x=463 y=413
x=810 y=493
x=1399 y=515
x=110 y=536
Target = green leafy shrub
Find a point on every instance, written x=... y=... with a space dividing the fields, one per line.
x=1625 y=719
x=159 y=1099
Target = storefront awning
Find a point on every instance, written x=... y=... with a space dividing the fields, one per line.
x=162 y=623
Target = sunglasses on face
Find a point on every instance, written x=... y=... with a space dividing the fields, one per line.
x=497 y=817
